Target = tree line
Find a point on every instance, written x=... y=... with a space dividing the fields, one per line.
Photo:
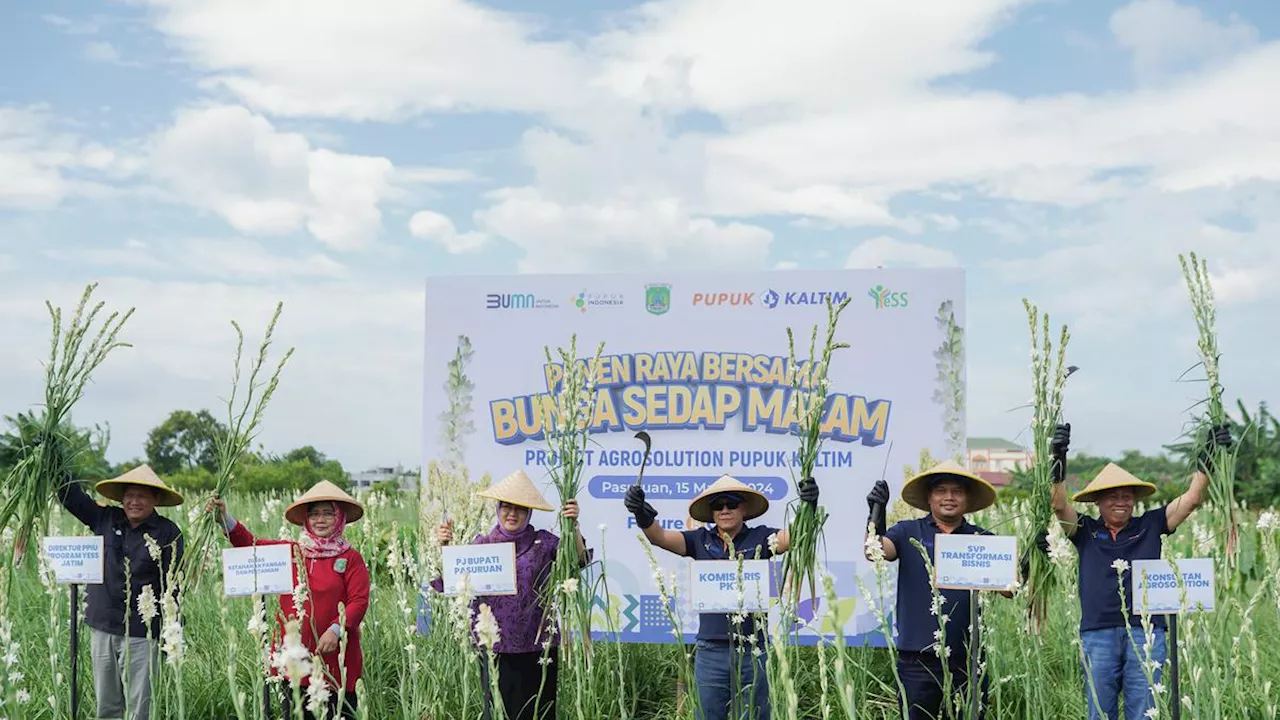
x=182 y=450
x=1257 y=436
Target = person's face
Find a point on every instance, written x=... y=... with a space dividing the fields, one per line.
x=138 y=502
x=728 y=513
x=948 y=500
x=1115 y=506
x=322 y=518
x=512 y=517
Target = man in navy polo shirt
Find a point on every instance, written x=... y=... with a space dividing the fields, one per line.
x=720 y=643
x=946 y=492
x=1108 y=545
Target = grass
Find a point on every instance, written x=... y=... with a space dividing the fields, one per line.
x=409 y=675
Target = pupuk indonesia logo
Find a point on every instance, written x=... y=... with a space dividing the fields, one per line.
x=886 y=298
x=657 y=298
x=585 y=299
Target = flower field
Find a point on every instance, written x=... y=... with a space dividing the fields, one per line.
x=1228 y=664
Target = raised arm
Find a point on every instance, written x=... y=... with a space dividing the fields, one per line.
x=1066 y=514
x=877 y=502
x=236 y=532
x=1218 y=443
x=78 y=503
x=808 y=492
x=670 y=540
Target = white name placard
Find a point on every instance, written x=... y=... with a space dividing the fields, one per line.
x=75 y=560
x=490 y=568
x=975 y=562
x=261 y=570
x=1157 y=580
x=717 y=587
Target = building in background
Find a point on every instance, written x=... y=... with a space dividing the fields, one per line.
x=405 y=479
x=995 y=459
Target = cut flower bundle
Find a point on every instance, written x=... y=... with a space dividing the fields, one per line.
x=1047 y=381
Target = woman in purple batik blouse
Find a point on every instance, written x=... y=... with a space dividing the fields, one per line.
x=523 y=622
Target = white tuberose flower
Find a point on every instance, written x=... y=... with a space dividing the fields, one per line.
x=487 y=627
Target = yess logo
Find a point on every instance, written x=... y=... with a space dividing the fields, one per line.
x=885 y=298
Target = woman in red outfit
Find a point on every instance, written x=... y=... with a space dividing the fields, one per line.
x=336 y=573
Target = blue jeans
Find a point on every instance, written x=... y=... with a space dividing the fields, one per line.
x=713 y=671
x=1113 y=664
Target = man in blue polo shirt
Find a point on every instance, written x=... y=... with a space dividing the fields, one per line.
x=1113 y=651
x=947 y=492
x=720 y=644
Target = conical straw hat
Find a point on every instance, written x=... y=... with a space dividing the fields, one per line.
x=981 y=493
x=1113 y=476
x=323 y=491
x=114 y=488
x=756 y=504
x=517 y=489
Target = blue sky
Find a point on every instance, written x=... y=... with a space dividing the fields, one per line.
x=201 y=159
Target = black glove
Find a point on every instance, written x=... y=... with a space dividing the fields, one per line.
x=808 y=491
x=643 y=511
x=1219 y=437
x=877 y=501
x=1042 y=542
x=1058 y=450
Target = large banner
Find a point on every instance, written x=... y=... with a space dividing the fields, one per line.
x=699 y=361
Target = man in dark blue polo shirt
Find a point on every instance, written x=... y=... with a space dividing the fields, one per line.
x=722 y=644
x=947 y=492
x=1108 y=545
x=125 y=646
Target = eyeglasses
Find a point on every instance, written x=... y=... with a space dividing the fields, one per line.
x=723 y=503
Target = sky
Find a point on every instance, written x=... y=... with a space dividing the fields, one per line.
x=203 y=159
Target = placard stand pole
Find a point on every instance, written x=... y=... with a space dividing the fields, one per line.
x=75 y=650
x=1174 y=689
x=975 y=647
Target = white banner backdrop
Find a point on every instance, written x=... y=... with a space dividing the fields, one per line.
x=694 y=360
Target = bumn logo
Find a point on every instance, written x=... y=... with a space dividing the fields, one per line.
x=516 y=301
x=885 y=298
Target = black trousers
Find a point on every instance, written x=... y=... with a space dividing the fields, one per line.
x=921 y=675
x=284 y=694
x=520 y=678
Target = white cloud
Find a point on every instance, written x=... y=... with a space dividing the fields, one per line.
x=885 y=251
x=101 y=51
x=229 y=258
x=30 y=175
x=398 y=57
x=738 y=57
x=263 y=181
x=38 y=157
x=619 y=234
x=1166 y=37
x=183 y=347
x=429 y=225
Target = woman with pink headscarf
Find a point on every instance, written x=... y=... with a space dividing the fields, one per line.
x=336 y=574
